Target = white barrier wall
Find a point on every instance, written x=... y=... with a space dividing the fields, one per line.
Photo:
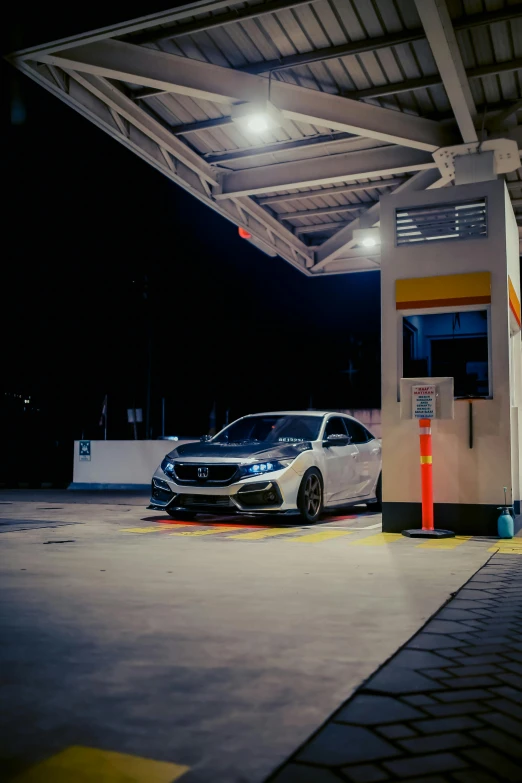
x=129 y=464
x=119 y=464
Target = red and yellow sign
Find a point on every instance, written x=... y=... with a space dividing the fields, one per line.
x=443 y=291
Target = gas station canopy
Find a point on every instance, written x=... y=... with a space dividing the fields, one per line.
x=291 y=118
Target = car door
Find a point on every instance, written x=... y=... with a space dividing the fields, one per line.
x=340 y=464
x=368 y=460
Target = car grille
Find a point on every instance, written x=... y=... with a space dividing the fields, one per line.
x=217 y=474
x=202 y=500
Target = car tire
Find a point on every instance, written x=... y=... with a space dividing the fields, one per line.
x=378 y=494
x=181 y=516
x=310 y=496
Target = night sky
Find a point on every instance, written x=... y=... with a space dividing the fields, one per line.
x=103 y=255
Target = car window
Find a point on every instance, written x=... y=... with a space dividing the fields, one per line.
x=358 y=433
x=271 y=429
x=293 y=429
x=335 y=426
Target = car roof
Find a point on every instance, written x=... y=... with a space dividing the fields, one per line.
x=295 y=413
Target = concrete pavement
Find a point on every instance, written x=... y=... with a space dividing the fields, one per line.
x=446 y=708
x=218 y=647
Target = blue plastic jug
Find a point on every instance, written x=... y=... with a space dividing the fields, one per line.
x=505 y=526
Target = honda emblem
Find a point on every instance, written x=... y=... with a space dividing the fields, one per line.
x=202 y=473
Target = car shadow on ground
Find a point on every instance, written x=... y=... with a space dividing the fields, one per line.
x=255 y=521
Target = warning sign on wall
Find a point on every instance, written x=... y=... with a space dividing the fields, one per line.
x=423 y=401
x=84 y=450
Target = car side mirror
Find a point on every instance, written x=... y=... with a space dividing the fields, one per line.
x=205 y=438
x=337 y=440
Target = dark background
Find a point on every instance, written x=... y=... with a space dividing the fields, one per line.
x=103 y=256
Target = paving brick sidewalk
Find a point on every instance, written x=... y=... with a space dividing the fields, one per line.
x=446 y=707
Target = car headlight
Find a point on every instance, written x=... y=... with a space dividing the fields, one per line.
x=167 y=466
x=260 y=468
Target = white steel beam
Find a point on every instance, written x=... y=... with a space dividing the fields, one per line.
x=160 y=70
x=329 y=140
x=86 y=98
x=346 y=266
x=126 y=108
x=377 y=162
x=343 y=240
x=322 y=211
x=439 y=31
x=317 y=228
x=338 y=191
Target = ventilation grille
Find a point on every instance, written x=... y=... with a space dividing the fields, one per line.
x=467 y=220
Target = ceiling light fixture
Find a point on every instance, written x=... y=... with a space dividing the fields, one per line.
x=256 y=117
x=367 y=237
x=257 y=123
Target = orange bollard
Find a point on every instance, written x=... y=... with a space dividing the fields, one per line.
x=428 y=529
x=424 y=403
x=426 y=462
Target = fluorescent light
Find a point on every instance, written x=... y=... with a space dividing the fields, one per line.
x=257 y=123
x=256 y=117
x=367 y=237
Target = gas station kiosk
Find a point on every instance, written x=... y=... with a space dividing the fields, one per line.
x=451 y=309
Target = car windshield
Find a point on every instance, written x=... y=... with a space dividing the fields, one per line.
x=271 y=429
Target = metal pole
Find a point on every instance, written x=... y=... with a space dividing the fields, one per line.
x=426 y=462
x=163 y=417
x=105 y=417
x=149 y=373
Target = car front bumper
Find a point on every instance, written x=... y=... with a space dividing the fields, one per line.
x=275 y=494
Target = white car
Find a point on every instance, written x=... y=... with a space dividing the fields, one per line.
x=289 y=462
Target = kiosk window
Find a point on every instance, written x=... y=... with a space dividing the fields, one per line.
x=449 y=344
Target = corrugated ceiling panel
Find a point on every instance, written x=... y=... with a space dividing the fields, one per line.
x=326 y=23
x=302 y=153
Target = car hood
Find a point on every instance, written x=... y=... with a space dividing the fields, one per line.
x=228 y=452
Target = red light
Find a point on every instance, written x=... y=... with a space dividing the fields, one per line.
x=243 y=233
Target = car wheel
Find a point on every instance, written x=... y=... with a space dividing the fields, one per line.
x=181 y=516
x=310 y=497
x=378 y=494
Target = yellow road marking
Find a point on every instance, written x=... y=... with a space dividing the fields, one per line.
x=378 y=539
x=443 y=543
x=204 y=532
x=154 y=529
x=507 y=546
x=324 y=535
x=273 y=531
x=90 y=765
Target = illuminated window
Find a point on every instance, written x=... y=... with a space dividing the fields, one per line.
x=449 y=344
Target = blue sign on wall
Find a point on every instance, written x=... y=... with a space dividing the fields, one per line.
x=85 y=450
